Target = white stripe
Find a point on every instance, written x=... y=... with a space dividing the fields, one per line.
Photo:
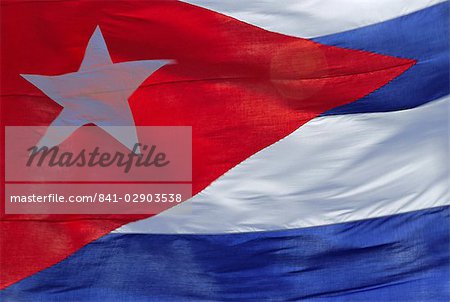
x=333 y=169
x=311 y=18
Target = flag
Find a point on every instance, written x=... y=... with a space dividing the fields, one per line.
x=320 y=154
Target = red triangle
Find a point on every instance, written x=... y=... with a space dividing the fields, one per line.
x=241 y=88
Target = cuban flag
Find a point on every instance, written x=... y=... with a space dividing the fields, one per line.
x=320 y=148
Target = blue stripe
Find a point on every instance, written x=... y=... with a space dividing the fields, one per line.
x=423 y=36
x=396 y=258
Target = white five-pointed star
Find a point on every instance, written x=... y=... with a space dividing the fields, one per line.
x=97 y=93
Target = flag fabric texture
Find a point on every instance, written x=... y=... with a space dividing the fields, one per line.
x=320 y=144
